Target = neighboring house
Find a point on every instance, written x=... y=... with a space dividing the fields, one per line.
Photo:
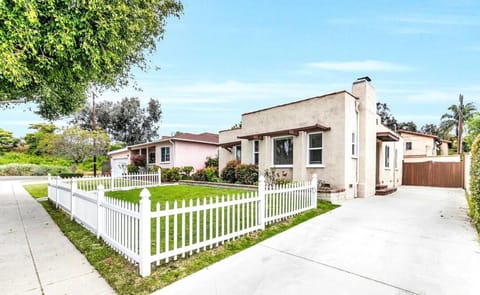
x=423 y=145
x=180 y=150
x=334 y=136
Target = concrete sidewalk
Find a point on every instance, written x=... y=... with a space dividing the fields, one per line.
x=35 y=257
x=416 y=241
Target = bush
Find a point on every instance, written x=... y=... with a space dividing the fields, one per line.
x=211 y=162
x=187 y=170
x=132 y=168
x=229 y=172
x=171 y=174
x=474 y=199
x=70 y=175
x=212 y=174
x=31 y=170
x=246 y=174
x=199 y=175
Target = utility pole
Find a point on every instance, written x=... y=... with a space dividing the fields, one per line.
x=460 y=126
x=94 y=127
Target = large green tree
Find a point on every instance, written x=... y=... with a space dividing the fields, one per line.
x=7 y=141
x=125 y=121
x=77 y=144
x=386 y=116
x=39 y=142
x=53 y=51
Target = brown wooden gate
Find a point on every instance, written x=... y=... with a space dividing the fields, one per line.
x=443 y=174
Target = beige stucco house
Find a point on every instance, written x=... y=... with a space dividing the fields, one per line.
x=336 y=136
x=423 y=145
x=185 y=149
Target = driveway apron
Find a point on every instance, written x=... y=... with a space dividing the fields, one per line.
x=416 y=241
x=35 y=257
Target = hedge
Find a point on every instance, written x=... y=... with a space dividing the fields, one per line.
x=474 y=199
x=31 y=170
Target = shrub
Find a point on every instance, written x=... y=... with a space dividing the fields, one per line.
x=199 y=175
x=132 y=168
x=246 y=174
x=211 y=174
x=138 y=160
x=171 y=174
x=475 y=183
x=31 y=170
x=70 y=175
x=187 y=170
x=211 y=162
x=229 y=172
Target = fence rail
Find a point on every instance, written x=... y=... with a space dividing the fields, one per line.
x=170 y=230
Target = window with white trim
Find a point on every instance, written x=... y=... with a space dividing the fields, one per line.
x=396 y=159
x=256 y=144
x=238 y=152
x=387 y=156
x=283 y=151
x=151 y=155
x=165 y=154
x=315 y=149
x=354 y=144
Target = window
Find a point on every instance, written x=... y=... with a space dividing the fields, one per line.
x=354 y=147
x=408 y=145
x=151 y=155
x=283 y=151
x=238 y=152
x=255 y=152
x=165 y=154
x=315 y=149
x=396 y=159
x=387 y=156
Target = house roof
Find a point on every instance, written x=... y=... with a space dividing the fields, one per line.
x=117 y=151
x=293 y=131
x=417 y=133
x=204 y=138
x=300 y=101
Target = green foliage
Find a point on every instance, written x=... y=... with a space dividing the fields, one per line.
x=187 y=170
x=53 y=51
x=211 y=174
x=229 y=172
x=386 y=116
x=450 y=119
x=31 y=170
x=40 y=141
x=171 y=174
x=212 y=162
x=409 y=126
x=125 y=121
x=246 y=174
x=7 y=141
x=473 y=129
x=132 y=168
x=23 y=158
x=199 y=175
x=77 y=144
x=70 y=175
x=474 y=199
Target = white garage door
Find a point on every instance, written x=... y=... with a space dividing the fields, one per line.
x=119 y=166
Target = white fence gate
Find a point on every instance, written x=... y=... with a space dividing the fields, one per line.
x=147 y=236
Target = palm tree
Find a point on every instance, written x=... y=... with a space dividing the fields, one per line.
x=449 y=120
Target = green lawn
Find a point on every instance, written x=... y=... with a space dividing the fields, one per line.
x=37 y=190
x=174 y=192
x=123 y=276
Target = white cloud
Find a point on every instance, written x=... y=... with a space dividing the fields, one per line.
x=437 y=20
x=357 y=66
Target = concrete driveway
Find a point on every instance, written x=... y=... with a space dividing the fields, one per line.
x=416 y=241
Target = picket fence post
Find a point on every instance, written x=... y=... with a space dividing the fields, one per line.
x=159 y=176
x=56 y=191
x=261 y=203
x=73 y=189
x=314 y=190
x=144 y=233
x=100 y=216
x=112 y=183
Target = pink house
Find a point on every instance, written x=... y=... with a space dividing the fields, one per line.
x=180 y=150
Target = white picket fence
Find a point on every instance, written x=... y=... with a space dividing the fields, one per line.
x=147 y=236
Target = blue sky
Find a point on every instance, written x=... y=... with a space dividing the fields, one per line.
x=224 y=58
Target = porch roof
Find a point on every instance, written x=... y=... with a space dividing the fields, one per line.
x=387 y=136
x=292 y=131
x=229 y=145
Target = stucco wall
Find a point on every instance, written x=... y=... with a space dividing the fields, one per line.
x=444 y=149
x=421 y=145
x=225 y=155
x=193 y=154
x=392 y=175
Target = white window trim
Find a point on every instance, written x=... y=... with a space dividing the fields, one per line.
x=169 y=154
x=273 y=152
x=255 y=153
x=322 y=165
x=385 y=158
